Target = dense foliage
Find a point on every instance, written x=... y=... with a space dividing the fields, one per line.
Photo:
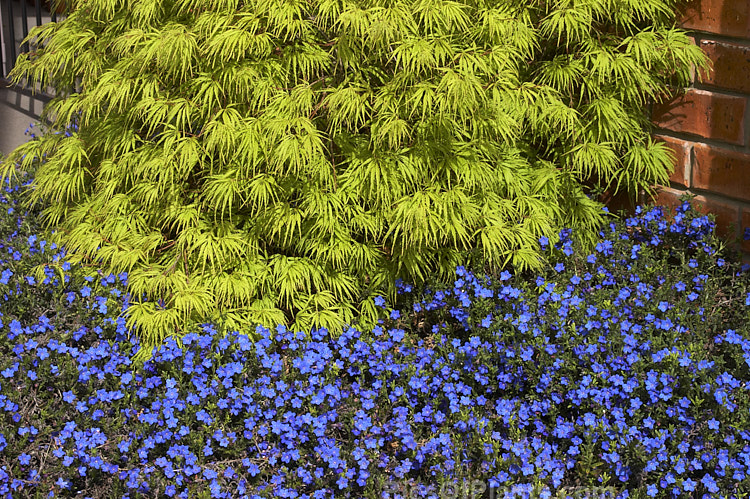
x=285 y=162
x=627 y=368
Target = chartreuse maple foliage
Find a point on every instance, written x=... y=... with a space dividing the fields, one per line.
x=284 y=162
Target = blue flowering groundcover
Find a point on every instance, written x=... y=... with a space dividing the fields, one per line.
x=622 y=373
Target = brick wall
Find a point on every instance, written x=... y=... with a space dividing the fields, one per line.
x=709 y=127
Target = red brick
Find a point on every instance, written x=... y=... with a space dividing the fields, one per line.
x=727 y=17
x=681 y=150
x=692 y=66
x=721 y=171
x=707 y=114
x=731 y=65
x=727 y=215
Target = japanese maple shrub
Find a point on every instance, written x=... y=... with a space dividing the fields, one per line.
x=285 y=162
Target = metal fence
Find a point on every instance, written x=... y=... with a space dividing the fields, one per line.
x=18 y=17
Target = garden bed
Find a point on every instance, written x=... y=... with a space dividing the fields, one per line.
x=623 y=373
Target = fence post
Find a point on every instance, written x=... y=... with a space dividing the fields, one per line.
x=8 y=34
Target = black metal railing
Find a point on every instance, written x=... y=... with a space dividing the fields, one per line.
x=14 y=12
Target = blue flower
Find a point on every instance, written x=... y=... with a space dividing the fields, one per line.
x=689 y=485
x=7 y=274
x=709 y=483
x=397 y=335
x=487 y=321
x=589 y=419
